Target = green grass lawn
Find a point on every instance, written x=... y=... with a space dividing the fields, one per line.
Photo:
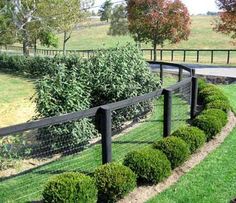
x=230 y=91
x=28 y=186
x=15 y=104
x=214 y=179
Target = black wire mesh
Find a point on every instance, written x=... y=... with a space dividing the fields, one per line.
x=181 y=101
x=39 y=159
x=141 y=130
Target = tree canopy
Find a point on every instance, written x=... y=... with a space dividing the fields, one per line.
x=227 y=20
x=119 y=23
x=158 y=21
x=105 y=11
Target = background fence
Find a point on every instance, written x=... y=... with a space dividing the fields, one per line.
x=205 y=56
x=172 y=107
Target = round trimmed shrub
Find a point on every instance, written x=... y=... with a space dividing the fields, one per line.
x=219 y=104
x=70 y=187
x=209 y=90
x=193 y=136
x=176 y=150
x=209 y=124
x=114 y=181
x=202 y=84
x=215 y=97
x=218 y=114
x=150 y=165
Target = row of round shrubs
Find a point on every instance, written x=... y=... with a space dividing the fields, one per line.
x=216 y=107
x=150 y=165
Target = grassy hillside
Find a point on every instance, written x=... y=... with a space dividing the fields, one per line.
x=202 y=36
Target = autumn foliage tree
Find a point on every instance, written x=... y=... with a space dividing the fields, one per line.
x=227 y=20
x=157 y=21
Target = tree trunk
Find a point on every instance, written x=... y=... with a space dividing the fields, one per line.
x=26 y=43
x=154 y=51
x=35 y=47
x=64 y=43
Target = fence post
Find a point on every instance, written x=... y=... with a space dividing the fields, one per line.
x=180 y=74
x=172 y=55
x=184 y=59
x=103 y=119
x=167 y=112
x=212 y=56
x=194 y=97
x=228 y=57
x=161 y=73
x=198 y=56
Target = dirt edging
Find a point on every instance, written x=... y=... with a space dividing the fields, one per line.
x=144 y=193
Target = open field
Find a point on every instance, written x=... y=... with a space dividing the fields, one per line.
x=15 y=104
x=213 y=180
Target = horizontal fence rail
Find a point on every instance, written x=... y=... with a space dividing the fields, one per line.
x=210 y=56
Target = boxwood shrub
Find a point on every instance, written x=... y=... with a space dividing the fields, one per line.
x=70 y=187
x=114 y=181
x=215 y=97
x=218 y=114
x=176 y=150
x=193 y=136
x=150 y=165
x=219 y=104
x=201 y=84
x=209 y=124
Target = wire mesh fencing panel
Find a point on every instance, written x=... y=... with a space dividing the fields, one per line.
x=141 y=129
x=181 y=100
x=48 y=151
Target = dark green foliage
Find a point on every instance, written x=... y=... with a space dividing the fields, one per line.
x=63 y=92
x=70 y=187
x=215 y=97
x=150 y=165
x=209 y=124
x=208 y=91
x=117 y=74
x=193 y=136
x=176 y=150
x=114 y=181
x=219 y=104
x=201 y=84
x=14 y=64
x=218 y=114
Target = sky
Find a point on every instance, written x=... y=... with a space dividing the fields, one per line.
x=194 y=6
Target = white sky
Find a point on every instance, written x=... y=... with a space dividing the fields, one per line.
x=194 y=6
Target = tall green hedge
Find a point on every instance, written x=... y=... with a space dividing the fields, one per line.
x=73 y=84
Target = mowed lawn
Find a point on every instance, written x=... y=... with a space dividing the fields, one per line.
x=28 y=186
x=15 y=103
x=214 y=179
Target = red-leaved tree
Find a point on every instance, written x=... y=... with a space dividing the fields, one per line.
x=158 y=21
x=227 y=20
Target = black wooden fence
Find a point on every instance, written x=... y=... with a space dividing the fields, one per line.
x=177 y=106
x=103 y=113
x=218 y=56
